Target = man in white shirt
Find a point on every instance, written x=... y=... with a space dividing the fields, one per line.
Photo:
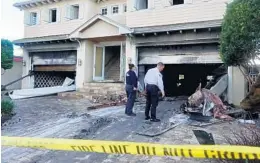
x=153 y=84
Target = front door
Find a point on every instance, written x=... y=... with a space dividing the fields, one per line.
x=99 y=59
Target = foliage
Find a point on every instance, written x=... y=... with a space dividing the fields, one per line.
x=240 y=33
x=247 y=136
x=7 y=107
x=6 y=54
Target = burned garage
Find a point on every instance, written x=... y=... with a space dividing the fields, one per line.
x=189 y=51
x=185 y=66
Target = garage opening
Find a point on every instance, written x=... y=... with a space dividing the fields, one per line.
x=183 y=79
x=51 y=68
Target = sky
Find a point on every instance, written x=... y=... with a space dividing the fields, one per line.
x=11 y=27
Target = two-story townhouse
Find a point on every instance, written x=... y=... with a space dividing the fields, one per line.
x=93 y=40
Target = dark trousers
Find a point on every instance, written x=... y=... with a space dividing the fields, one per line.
x=131 y=95
x=152 y=97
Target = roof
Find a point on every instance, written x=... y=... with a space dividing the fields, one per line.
x=122 y=28
x=33 y=3
x=175 y=27
x=40 y=39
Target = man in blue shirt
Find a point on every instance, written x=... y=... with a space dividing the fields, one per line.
x=131 y=88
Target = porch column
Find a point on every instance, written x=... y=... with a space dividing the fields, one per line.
x=131 y=53
x=26 y=82
x=84 y=69
x=237 y=86
x=81 y=65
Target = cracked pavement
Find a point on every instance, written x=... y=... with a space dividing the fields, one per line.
x=53 y=117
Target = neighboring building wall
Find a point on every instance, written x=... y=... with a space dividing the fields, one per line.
x=237 y=86
x=160 y=12
x=87 y=9
x=13 y=74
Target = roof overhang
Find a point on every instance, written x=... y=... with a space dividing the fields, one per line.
x=179 y=27
x=42 y=40
x=122 y=28
x=33 y=3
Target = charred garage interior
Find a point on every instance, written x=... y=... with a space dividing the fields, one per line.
x=185 y=66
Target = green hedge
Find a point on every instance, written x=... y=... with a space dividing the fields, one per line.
x=7 y=107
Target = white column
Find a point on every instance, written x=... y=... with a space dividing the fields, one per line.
x=237 y=86
x=27 y=65
x=81 y=64
x=131 y=52
x=84 y=71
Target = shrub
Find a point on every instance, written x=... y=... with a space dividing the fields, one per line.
x=7 y=107
x=248 y=136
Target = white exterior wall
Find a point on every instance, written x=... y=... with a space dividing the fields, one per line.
x=28 y=81
x=160 y=12
x=236 y=86
x=85 y=70
x=87 y=9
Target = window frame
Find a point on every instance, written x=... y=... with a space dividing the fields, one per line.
x=178 y=3
x=112 y=9
x=50 y=15
x=72 y=7
x=32 y=23
x=104 y=8
x=124 y=8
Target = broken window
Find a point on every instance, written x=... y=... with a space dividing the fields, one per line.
x=177 y=2
x=140 y=4
x=53 y=15
x=115 y=10
x=33 y=18
x=104 y=11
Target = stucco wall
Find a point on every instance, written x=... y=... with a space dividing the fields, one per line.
x=13 y=74
x=162 y=13
x=236 y=86
x=87 y=9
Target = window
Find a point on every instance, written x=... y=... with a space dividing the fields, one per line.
x=33 y=18
x=74 y=11
x=177 y=2
x=115 y=10
x=141 y=4
x=125 y=8
x=52 y=15
x=104 y=11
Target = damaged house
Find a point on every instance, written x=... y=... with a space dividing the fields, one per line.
x=92 y=41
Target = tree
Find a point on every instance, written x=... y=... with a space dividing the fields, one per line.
x=7 y=51
x=240 y=40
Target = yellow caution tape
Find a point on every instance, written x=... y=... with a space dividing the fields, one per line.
x=120 y=147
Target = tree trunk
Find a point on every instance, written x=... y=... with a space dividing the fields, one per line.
x=252 y=99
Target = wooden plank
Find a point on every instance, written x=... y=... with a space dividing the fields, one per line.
x=55 y=68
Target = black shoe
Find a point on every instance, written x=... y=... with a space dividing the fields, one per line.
x=131 y=114
x=155 y=120
x=147 y=118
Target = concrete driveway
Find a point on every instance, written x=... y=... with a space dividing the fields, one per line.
x=52 y=117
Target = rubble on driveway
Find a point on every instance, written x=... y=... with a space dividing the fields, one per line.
x=206 y=102
x=37 y=92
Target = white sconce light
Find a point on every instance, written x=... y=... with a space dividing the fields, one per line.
x=24 y=63
x=79 y=62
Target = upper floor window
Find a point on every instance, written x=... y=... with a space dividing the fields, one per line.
x=124 y=8
x=177 y=2
x=53 y=15
x=33 y=18
x=104 y=11
x=73 y=12
x=140 y=4
x=115 y=10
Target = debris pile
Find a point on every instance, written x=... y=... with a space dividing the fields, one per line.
x=107 y=101
x=205 y=102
